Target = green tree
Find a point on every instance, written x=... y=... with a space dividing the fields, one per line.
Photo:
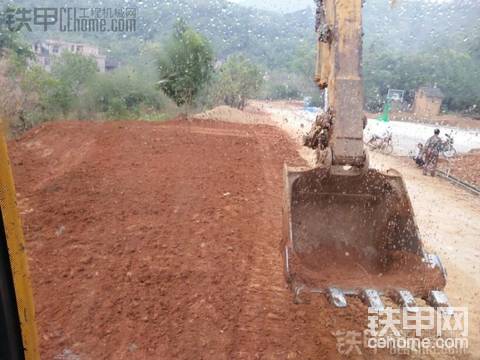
x=238 y=80
x=474 y=44
x=185 y=66
x=14 y=50
x=304 y=60
x=122 y=93
x=454 y=72
x=12 y=44
x=50 y=96
x=74 y=71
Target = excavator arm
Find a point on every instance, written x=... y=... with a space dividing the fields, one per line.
x=339 y=30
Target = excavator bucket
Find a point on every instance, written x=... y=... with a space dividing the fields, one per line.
x=355 y=234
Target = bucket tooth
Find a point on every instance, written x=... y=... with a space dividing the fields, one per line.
x=434 y=262
x=438 y=299
x=406 y=300
x=337 y=297
x=372 y=298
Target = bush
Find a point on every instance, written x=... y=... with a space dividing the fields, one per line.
x=123 y=93
x=236 y=81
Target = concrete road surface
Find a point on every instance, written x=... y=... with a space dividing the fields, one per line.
x=406 y=135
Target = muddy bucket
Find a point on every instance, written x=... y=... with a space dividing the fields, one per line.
x=349 y=233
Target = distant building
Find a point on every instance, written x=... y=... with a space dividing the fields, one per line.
x=428 y=101
x=46 y=51
x=396 y=99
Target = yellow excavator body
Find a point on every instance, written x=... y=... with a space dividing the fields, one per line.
x=18 y=333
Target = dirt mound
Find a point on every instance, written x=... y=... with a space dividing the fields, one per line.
x=467 y=168
x=161 y=241
x=229 y=114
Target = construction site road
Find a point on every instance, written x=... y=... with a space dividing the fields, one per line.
x=449 y=221
x=162 y=241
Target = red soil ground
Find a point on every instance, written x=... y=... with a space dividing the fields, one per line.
x=162 y=241
x=467 y=168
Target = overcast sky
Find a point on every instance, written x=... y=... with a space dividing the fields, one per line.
x=291 y=5
x=277 y=5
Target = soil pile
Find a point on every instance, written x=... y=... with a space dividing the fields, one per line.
x=229 y=114
x=467 y=168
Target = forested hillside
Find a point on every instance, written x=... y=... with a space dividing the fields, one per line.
x=272 y=38
x=408 y=43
